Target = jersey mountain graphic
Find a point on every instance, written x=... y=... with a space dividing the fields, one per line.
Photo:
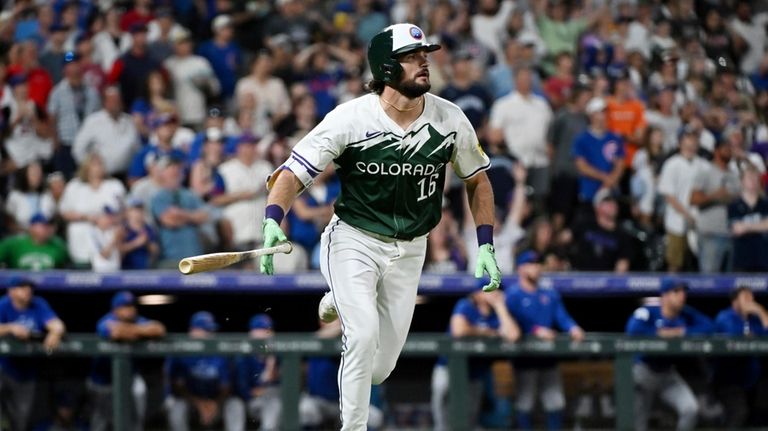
x=424 y=138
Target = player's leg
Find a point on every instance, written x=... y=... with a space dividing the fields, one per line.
x=439 y=401
x=526 y=380
x=22 y=398
x=352 y=263
x=178 y=413
x=677 y=394
x=233 y=413
x=396 y=301
x=309 y=411
x=139 y=401
x=271 y=410
x=552 y=397
x=646 y=385
x=101 y=405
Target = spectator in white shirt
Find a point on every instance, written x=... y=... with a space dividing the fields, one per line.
x=272 y=100
x=111 y=42
x=106 y=237
x=193 y=80
x=749 y=29
x=244 y=176
x=521 y=120
x=110 y=133
x=676 y=184
x=30 y=137
x=28 y=198
x=84 y=199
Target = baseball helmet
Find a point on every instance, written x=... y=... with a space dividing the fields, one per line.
x=391 y=42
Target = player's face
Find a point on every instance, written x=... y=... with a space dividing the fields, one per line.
x=125 y=313
x=415 y=79
x=21 y=296
x=260 y=334
x=675 y=299
x=531 y=271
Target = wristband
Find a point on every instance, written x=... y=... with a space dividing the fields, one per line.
x=484 y=234
x=274 y=212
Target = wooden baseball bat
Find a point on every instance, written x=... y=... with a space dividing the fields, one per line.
x=213 y=261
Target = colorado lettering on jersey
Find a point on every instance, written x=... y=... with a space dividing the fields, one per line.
x=378 y=168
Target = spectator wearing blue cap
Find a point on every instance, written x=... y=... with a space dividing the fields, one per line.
x=24 y=316
x=735 y=378
x=164 y=126
x=540 y=313
x=244 y=186
x=201 y=386
x=72 y=100
x=481 y=314
x=658 y=377
x=122 y=324
x=258 y=378
x=38 y=249
x=108 y=132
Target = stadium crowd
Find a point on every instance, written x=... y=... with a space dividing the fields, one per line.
x=136 y=133
x=624 y=136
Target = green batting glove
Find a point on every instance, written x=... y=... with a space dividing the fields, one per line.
x=486 y=262
x=272 y=236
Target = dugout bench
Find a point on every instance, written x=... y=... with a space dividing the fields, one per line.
x=292 y=347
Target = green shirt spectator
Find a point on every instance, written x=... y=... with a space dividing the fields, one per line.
x=37 y=250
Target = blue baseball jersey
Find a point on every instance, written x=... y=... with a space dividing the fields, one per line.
x=739 y=370
x=469 y=310
x=203 y=376
x=249 y=372
x=225 y=60
x=600 y=152
x=647 y=320
x=35 y=318
x=101 y=367
x=322 y=375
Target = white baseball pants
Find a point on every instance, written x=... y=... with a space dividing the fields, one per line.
x=373 y=280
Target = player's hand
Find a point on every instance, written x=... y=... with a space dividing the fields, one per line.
x=272 y=236
x=577 y=334
x=486 y=262
x=544 y=333
x=52 y=341
x=20 y=331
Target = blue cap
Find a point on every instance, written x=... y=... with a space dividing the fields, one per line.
x=134 y=202
x=247 y=138
x=161 y=119
x=260 y=321
x=528 y=256
x=122 y=299
x=138 y=27
x=57 y=27
x=17 y=79
x=39 y=218
x=109 y=210
x=203 y=320
x=671 y=283
x=18 y=280
x=70 y=57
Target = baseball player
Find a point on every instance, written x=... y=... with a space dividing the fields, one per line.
x=121 y=324
x=540 y=313
x=23 y=316
x=390 y=149
x=258 y=378
x=657 y=376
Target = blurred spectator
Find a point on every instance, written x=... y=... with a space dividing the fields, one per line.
x=200 y=387
x=164 y=127
x=178 y=213
x=646 y=165
x=245 y=187
x=656 y=376
x=106 y=237
x=489 y=23
x=131 y=70
x=321 y=67
x=466 y=92
x=558 y=28
x=121 y=324
x=290 y=20
x=138 y=246
x=625 y=114
x=558 y=87
x=312 y=211
x=301 y=120
x=65 y=414
x=540 y=313
x=750 y=35
x=714 y=187
x=93 y=73
x=521 y=119
x=154 y=101
x=501 y=76
x=140 y=14
x=52 y=57
x=481 y=314
x=446 y=252
x=27 y=198
x=194 y=82
x=111 y=42
x=569 y=122
x=735 y=378
x=109 y=133
x=30 y=137
x=258 y=377
x=224 y=55
x=24 y=62
x=84 y=199
x=272 y=101
x=161 y=33
x=598 y=154
x=72 y=101
x=748 y=221
x=24 y=316
x=664 y=116
x=676 y=185
x=600 y=244
x=36 y=250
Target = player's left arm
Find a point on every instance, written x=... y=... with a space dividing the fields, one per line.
x=56 y=330
x=480 y=196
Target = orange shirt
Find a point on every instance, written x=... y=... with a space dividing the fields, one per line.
x=625 y=119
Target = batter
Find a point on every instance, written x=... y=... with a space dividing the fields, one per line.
x=390 y=149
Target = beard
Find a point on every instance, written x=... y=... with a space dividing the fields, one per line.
x=410 y=89
x=533 y=279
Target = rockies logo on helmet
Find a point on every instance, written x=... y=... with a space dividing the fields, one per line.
x=393 y=41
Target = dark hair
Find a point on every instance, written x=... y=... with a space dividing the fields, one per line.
x=22 y=183
x=734 y=293
x=375 y=86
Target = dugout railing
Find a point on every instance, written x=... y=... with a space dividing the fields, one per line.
x=291 y=348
